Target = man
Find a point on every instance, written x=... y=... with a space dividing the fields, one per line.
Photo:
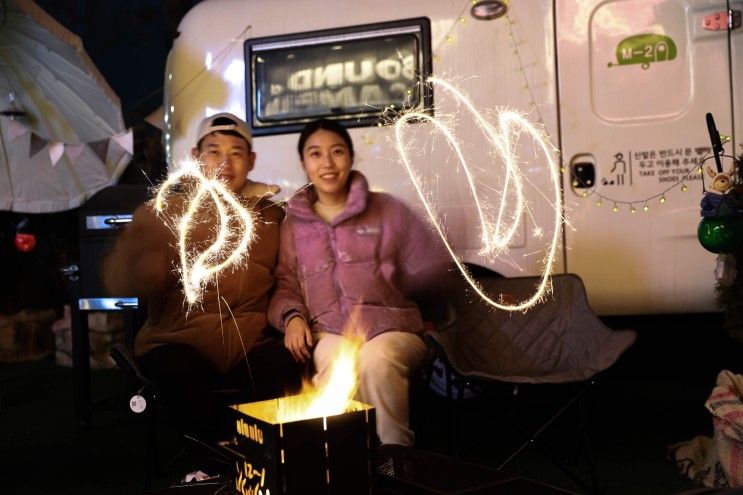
x=223 y=341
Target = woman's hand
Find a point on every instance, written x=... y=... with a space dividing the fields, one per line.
x=298 y=339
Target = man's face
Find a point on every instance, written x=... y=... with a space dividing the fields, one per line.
x=227 y=158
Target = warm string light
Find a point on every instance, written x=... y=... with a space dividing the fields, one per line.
x=495 y=235
x=231 y=243
x=661 y=196
x=646 y=202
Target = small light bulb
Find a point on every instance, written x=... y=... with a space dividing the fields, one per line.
x=575 y=183
x=450 y=39
x=662 y=199
x=645 y=208
x=632 y=209
x=684 y=188
x=584 y=194
x=463 y=20
x=699 y=171
x=615 y=209
x=599 y=202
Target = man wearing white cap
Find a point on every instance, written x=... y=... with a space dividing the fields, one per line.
x=224 y=341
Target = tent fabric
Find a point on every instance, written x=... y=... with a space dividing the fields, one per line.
x=557 y=340
x=55 y=107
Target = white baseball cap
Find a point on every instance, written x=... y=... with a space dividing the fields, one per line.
x=207 y=126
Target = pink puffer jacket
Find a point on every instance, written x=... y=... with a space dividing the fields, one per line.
x=364 y=265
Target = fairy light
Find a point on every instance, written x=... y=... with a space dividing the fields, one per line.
x=615 y=208
x=588 y=190
x=230 y=245
x=632 y=209
x=495 y=235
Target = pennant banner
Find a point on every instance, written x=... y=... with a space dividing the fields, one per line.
x=37 y=144
x=15 y=130
x=100 y=148
x=55 y=152
x=126 y=141
x=72 y=152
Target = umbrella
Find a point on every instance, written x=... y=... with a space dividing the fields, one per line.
x=62 y=136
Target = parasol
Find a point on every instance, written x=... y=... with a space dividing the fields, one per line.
x=62 y=136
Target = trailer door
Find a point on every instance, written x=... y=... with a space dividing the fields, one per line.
x=636 y=78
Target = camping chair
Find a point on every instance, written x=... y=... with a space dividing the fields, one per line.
x=144 y=401
x=559 y=344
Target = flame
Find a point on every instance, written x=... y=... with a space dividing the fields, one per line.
x=334 y=394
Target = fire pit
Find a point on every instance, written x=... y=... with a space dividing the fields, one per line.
x=320 y=455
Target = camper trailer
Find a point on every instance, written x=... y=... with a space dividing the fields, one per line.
x=619 y=88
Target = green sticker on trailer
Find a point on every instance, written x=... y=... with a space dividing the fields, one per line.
x=645 y=49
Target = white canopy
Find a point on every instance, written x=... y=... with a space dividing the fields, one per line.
x=62 y=136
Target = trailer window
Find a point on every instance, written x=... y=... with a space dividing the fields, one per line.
x=351 y=74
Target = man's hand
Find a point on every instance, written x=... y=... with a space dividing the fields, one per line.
x=298 y=339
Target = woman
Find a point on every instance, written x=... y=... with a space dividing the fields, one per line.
x=348 y=253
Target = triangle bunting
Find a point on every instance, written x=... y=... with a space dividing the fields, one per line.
x=100 y=148
x=37 y=144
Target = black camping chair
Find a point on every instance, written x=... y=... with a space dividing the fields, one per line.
x=144 y=401
x=534 y=368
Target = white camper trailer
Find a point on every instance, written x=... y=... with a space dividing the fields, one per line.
x=620 y=87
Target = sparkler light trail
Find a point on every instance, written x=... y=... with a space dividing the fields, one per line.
x=231 y=242
x=495 y=235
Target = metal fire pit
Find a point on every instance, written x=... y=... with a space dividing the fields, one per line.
x=327 y=455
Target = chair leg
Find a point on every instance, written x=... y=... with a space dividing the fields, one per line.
x=577 y=402
x=151 y=455
x=593 y=472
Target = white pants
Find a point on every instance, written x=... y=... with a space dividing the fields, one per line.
x=384 y=365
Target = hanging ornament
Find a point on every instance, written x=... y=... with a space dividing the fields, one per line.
x=24 y=241
x=721 y=234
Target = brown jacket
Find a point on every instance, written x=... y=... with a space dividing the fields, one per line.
x=232 y=312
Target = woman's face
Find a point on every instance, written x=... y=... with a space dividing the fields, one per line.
x=327 y=162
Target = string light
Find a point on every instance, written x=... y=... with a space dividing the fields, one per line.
x=615 y=208
x=661 y=196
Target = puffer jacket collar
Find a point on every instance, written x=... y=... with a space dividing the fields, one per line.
x=300 y=205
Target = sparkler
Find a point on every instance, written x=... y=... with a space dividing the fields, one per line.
x=495 y=235
x=231 y=243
